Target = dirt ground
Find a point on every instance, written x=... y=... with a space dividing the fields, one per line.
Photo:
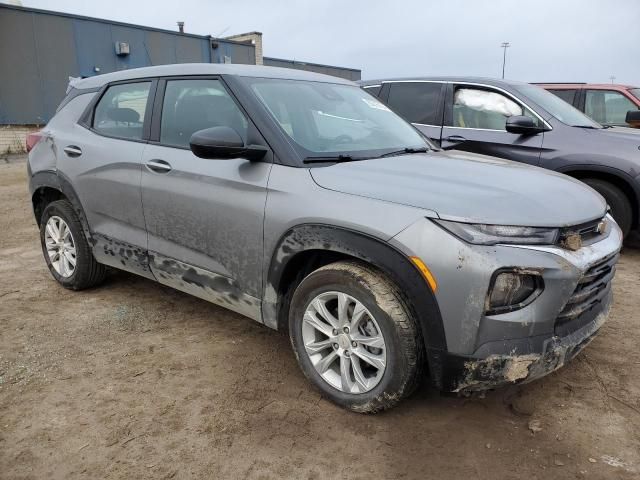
x=135 y=380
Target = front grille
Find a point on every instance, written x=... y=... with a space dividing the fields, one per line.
x=588 y=232
x=591 y=289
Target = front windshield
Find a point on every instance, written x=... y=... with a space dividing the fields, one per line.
x=557 y=107
x=332 y=119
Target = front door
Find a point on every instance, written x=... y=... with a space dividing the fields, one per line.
x=475 y=119
x=204 y=217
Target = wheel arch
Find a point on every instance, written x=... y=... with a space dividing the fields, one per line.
x=307 y=247
x=49 y=186
x=616 y=177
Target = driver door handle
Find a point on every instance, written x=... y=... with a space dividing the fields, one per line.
x=158 y=166
x=455 y=139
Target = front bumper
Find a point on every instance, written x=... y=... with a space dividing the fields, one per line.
x=484 y=351
x=529 y=359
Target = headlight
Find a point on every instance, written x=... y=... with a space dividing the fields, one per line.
x=481 y=234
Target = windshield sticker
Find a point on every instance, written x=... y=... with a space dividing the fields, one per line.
x=373 y=103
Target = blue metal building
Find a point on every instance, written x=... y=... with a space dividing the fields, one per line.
x=41 y=49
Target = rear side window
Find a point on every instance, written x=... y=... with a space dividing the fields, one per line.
x=565 y=94
x=192 y=105
x=120 y=112
x=417 y=102
x=373 y=89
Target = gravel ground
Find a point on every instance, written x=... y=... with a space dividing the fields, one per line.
x=135 y=380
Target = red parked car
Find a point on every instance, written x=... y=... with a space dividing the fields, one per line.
x=607 y=104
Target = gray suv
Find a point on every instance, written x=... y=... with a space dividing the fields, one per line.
x=302 y=202
x=525 y=123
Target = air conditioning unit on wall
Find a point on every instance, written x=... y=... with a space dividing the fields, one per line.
x=122 y=49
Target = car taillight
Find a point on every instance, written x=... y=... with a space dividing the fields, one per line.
x=33 y=139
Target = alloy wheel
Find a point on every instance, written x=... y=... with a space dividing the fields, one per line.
x=344 y=342
x=60 y=246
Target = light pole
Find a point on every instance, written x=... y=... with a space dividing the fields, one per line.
x=612 y=78
x=504 y=45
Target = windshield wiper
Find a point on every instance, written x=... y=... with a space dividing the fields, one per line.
x=404 y=151
x=334 y=159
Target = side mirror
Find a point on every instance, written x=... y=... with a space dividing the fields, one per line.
x=633 y=118
x=522 y=125
x=223 y=143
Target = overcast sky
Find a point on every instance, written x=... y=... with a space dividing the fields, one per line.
x=551 y=40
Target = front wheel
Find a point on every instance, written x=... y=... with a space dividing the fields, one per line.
x=354 y=337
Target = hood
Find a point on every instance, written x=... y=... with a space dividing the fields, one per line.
x=470 y=188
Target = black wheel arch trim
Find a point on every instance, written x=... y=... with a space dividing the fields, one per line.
x=369 y=249
x=57 y=181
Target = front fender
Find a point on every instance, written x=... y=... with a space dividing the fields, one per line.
x=371 y=250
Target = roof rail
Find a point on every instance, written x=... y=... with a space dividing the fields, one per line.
x=559 y=83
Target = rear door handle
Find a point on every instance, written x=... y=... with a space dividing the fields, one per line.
x=159 y=166
x=455 y=139
x=72 y=151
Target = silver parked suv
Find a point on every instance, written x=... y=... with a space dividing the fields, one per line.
x=304 y=203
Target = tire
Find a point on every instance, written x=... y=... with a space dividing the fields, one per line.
x=86 y=272
x=386 y=315
x=620 y=205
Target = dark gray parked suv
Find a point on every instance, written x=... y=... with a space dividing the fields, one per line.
x=522 y=122
x=300 y=201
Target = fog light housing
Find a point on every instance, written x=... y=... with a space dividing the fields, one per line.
x=512 y=290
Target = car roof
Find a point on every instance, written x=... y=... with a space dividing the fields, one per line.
x=484 y=80
x=599 y=86
x=257 y=71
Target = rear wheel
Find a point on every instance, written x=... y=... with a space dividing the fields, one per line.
x=617 y=200
x=354 y=337
x=66 y=250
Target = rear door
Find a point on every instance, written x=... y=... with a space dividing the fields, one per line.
x=419 y=102
x=475 y=119
x=102 y=157
x=204 y=217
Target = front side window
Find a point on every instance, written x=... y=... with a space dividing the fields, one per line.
x=607 y=106
x=416 y=102
x=568 y=95
x=192 y=105
x=556 y=107
x=120 y=112
x=327 y=118
x=485 y=109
